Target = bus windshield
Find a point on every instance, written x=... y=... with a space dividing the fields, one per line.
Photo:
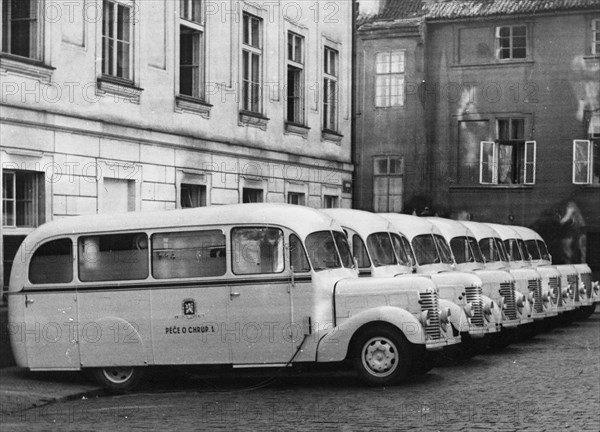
x=545 y=255
x=381 y=249
x=443 y=249
x=491 y=249
x=403 y=250
x=323 y=247
x=465 y=250
x=512 y=249
x=532 y=249
x=425 y=250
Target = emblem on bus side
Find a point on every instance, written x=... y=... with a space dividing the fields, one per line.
x=189 y=307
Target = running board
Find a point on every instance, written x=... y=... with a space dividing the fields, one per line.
x=260 y=365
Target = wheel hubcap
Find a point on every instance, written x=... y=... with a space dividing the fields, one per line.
x=117 y=375
x=380 y=356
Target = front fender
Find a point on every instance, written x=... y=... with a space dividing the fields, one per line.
x=458 y=317
x=334 y=345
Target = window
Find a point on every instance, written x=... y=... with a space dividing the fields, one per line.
x=113 y=257
x=381 y=249
x=510 y=159
x=511 y=42
x=596 y=37
x=296 y=198
x=22 y=28
x=251 y=63
x=257 y=250
x=295 y=79
x=188 y=254
x=330 y=201
x=192 y=195
x=117 y=31
x=360 y=252
x=52 y=263
x=191 y=49
x=250 y=195
x=388 y=184
x=389 y=81
x=298 y=258
x=22 y=199
x=582 y=161
x=330 y=90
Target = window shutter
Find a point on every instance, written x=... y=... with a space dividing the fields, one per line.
x=582 y=157
x=529 y=166
x=488 y=172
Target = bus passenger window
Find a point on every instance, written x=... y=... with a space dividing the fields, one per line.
x=257 y=250
x=298 y=257
x=52 y=263
x=113 y=257
x=188 y=254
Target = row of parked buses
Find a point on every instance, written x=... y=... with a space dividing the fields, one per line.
x=263 y=285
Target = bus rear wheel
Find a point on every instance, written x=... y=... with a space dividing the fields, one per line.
x=117 y=379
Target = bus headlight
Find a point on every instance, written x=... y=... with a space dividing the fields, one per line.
x=546 y=297
x=520 y=303
x=469 y=310
x=487 y=309
x=445 y=315
x=425 y=318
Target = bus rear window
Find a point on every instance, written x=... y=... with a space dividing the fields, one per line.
x=52 y=262
x=113 y=257
x=188 y=254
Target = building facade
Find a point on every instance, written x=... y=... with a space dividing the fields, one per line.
x=130 y=105
x=506 y=113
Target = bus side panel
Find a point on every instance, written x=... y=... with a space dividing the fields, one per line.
x=114 y=327
x=16 y=328
x=50 y=330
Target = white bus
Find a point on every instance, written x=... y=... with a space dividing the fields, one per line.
x=249 y=285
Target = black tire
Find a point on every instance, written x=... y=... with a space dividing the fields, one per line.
x=117 y=380
x=382 y=356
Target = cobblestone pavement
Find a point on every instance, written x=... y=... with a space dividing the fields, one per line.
x=549 y=383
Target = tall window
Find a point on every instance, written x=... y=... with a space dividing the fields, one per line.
x=117 y=31
x=511 y=42
x=192 y=195
x=586 y=155
x=330 y=90
x=596 y=37
x=22 y=199
x=387 y=184
x=191 y=47
x=510 y=159
x=389 y=81
x=22 y=28
x=251 y=63
x=295 y=78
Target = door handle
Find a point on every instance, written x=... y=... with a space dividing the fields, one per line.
x=28 y=301
x=234 y=294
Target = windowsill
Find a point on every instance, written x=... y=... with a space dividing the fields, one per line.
x=119 y=87
x=332 y=136
x=192 y=105
x=296 y=129
x=487 y=187
x=252 y=119
x=591 y=57
x=494 y=63
x=25 y=66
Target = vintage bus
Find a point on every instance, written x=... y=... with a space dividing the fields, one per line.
x=433 y=257
x=499 y=285
x=248 y=285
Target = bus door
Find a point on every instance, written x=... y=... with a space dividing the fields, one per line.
x=259 y=312
x=50 y=321
x=189 y=307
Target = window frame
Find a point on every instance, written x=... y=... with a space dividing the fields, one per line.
x=232 y=235
x=300 y=195
x=330 y=89
x=194 y=25
x=388 y=100
x=511 y=48
x=297 y=66
x=106 y=69
x=200 y=188
x=253 y=49
x=36 y=196
x=588 y=162
x=36 y=43
x=335 y=200
x=595 y=39
x=388 y=175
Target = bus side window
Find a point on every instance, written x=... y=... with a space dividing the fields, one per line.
x=257 y=250
x=113 y=257
x=188 y=254
x=52 y=262
x=298 y=258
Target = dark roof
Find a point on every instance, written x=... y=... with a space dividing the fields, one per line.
x=400 y=10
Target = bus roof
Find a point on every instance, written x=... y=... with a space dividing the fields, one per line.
x=302 y=220
x=450 y=228
x=506 y=232
x=363 y=222
x=411 y=226
x=480 y=230
x=527 y=233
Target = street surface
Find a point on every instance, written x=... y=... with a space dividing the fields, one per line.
x=549 y=383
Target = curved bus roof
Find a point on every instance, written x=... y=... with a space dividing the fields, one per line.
x=409 y=225
x=302 y=220
x=505 y=231
x=527 y=233
x=450 y=228
x=362 y=222
x=480 y=230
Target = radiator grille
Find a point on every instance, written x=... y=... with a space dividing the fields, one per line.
x=507 y=291
x=535 y=286
x=573 y=283
x=555 y=288
x=474 y=297
x=429 y=302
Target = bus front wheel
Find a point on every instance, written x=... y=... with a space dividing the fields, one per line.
x=117 y=380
